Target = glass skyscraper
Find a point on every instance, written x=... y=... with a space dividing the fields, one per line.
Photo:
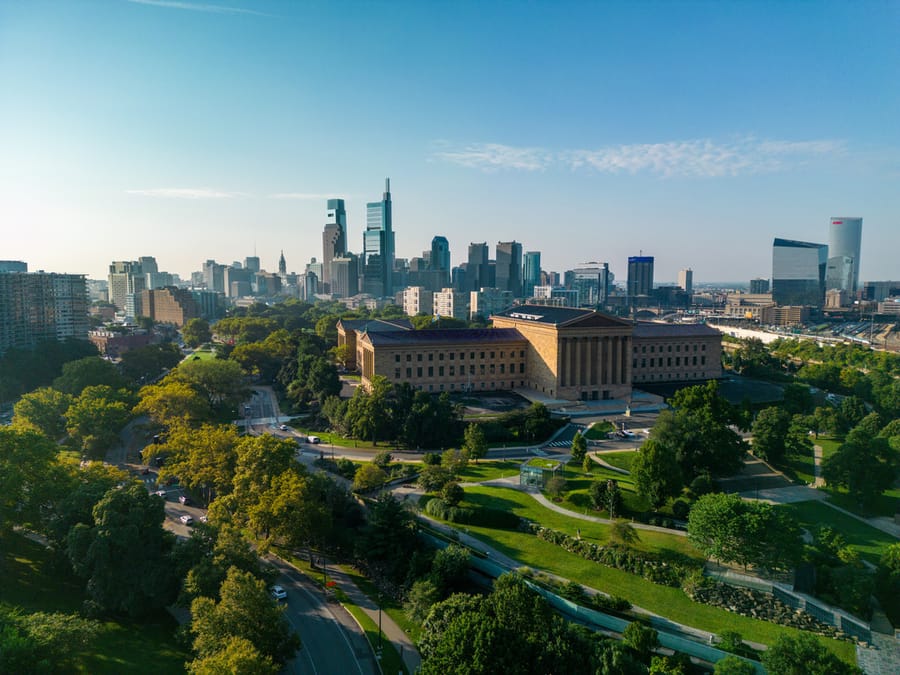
x=845 y=239
x=378 y=246
x=532 y=273
x=798 y=272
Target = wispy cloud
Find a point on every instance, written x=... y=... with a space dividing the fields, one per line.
x=704 y=158
x=494 y=156
x=304 y=196
x=197 y=7
x=186 y=193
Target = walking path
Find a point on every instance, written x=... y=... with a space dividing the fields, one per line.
x=817 y=467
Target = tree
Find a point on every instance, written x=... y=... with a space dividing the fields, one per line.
x=798 y=399
x=734 y=665
x=343 y=355
x=96 y=417
x=642 y=639
x=587 y=464
x=25 y=461
x=556 y=486
x=804 y=655
x=474 y=442
x=369 y=477
x=41 y=642
x=613 y=498
x=452 y=493
x=87 y=372
x=579 y=448
x=699 y=432
x=729 y=529
x=769 y=432
x=851 y=412
x=196 y=332
x=865 y=464
x=145 y=363
x=172 y=401
x=43 y=410
x=245 y=611
x=887 y=582
x=433 y=478
x=423 y=594
x=656 y=473
x=455 y=461
x=624 y=533
x=124 y=554
x=449 y=569
x=236 y=656
x=387 y=542
x=220 y=381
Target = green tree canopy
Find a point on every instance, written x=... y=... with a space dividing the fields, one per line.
x=43 y=410
x=97 y=416
x=196 y=332
x=804 y=655
x=87 y=372
x=770 y=430
x=865 y=464
x=656 y=473
x=26 y=458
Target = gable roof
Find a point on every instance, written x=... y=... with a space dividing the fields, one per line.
x=562 y=316
x=363 y=325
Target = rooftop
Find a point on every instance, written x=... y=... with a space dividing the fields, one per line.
x=443 y=336
x=667 y=330
x=557 y=316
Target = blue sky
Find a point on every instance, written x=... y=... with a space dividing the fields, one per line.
x=694 y=132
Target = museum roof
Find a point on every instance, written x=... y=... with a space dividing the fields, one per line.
x=559 y=316
x=363 y=325
x=442 y=336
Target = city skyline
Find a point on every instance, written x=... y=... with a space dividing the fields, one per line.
x=694 y=133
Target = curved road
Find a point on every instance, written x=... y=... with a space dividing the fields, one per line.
x=332 y=640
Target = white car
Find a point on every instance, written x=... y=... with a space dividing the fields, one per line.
x=278 y=593
x=187 y=520
x=160 y=493
x=283 y=427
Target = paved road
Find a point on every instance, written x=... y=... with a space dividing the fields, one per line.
x=332 y=641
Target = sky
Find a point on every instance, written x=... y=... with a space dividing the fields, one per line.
x=694 y=132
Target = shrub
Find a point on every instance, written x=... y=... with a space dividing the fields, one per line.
x=701 y=485
x=452 y=493
x=680 y=509
x=431 y=459
x=383 y=459
x=611 y=603
x=730 y=641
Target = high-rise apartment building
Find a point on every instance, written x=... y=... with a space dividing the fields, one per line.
x=509 y=267
x=488 y=301
x=334 y=238
x=126 y=278
x=378 y=246
x=686 y=280
x=844 y=246
x=448 y=302
x=214 y=276
x=640 y=276
x=41 y=306
x=171 y=305
x=477 y=269
x=798 y=272
x=13 y=266
x=417 y=300
x=531 y=275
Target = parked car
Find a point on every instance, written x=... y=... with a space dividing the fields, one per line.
x=314 y=439
x=160 y=493
x=283 y=427
x=184 y=499
x=279 y=593
x=187 y=520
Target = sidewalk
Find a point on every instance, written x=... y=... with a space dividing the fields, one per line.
x=404 y=646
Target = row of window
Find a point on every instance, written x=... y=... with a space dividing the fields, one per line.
x=669 y=376
x=470 y=387
x=654 y=362
x=668 y=348
x=462 y=355
x=483 y=369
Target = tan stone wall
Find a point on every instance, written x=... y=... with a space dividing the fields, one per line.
x=671 y=359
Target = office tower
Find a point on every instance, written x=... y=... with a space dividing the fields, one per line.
x=214 y=276
x=148 y=264
x=440 y=258
x=686 y=280
x=417 y=300
x=640 y=276
x=509 y=267
x=237 y=281
x=489 y=301
x=378 y=247
x=477 y=266
x=759 y=286
x=344 y=274
x=126 y=278
x=798 y=272
x=592 y=281
x=334 y=238
x=41 y=306
x=170 y=305
x=13 y=266
x=844 y=242
x=606 y=284
x=252 y=263
x=531 y=275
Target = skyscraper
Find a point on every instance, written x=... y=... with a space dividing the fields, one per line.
x=440 y=259
x=640 y=276
x=686 y=280
x=378 y=246
x=531 y=273
x=477 y=267
x=509 y=267
x=252 y=263
x=334 y=238
x=845 y=239
x=125 y=279
x=798 y=272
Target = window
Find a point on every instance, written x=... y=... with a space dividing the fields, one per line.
x=644 y=363
x=703 y=348
x=482 y=355
x=430 y=371
x=702 y=360
x=677 y=348
x=482 y=369
x=472 y=355
x=502 y=368
x=695 y=361
x=453 y=354
x=396 y=373
x=452 y=371
x=441 y=356
x=396 y=358
x=695 y=347
x=431 y=357
x=652 y=348
x=670 y=349
x=677 y=360
x=670 y=360
x=492 y=369
x=408 y=357
x=522 y=369
x=634 y=363
x=440 y=371
x=492 y=354
x=419 y=358
x=408 y=373
x=522 y=354
x=501 y=355
x=419 y=371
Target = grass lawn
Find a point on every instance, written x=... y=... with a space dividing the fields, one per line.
x=870 y=543
x=543 y=463
x=202 y=354
x=621 y=460
x=887 y=504
x=598 y=431
x=829 y=445
x=122 y=646
x=663 y=600
x=799 y=468
x=578 y=484
x=488 y=470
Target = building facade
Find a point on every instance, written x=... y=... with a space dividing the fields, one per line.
x=171 y=305
x=417 y=300
x=334 y=238
x=686 y=280
x=664 y=352
x=378 y=247
x=798 y=272
x=41 y=306
x=640 y=277
x=845 y=240
x=508 y=273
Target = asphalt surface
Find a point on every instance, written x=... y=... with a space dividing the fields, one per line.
x=332 y=640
